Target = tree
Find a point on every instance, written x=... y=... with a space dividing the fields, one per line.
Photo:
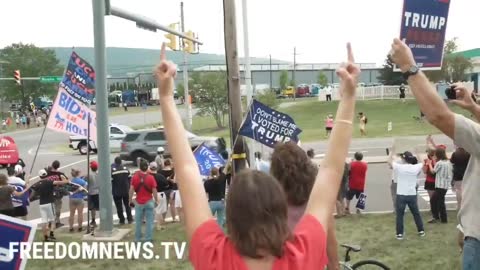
x=211 y=95
x=322 y=79
x=283 y=79
x=387 y=76
x=292 y=83
x=32 y=62
x=269 y=98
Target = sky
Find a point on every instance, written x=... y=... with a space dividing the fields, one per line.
x=318 y=29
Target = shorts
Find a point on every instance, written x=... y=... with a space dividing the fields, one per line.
x=47 y=213
x=76 y=202
x=328 y=128
x=353 y=193
x=429 y=186
x=7 y=212
x=178 y=200
x=20 y=211
x=162 y=204
x=93 y=202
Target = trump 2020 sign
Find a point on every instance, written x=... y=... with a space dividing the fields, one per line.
x=13 y=230
x=424 y=23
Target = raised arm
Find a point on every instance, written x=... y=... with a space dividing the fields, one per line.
x=194 y=199
x=431 y=104
x=391 y=156
x=325 y=190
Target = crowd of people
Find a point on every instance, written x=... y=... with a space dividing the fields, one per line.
x=280 y=215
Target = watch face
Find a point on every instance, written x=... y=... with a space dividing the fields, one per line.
x=413 y=70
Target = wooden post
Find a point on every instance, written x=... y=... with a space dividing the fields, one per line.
x=233 y=76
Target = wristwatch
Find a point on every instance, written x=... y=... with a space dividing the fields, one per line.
x=412 y=71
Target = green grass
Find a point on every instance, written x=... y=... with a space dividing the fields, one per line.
x=309 y=115
x=375 y=233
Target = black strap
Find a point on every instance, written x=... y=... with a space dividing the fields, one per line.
x=142 y=184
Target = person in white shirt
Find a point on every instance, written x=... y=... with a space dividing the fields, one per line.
x=328 y=92
x=19 y=202
x=406 y=173
x=262 y=165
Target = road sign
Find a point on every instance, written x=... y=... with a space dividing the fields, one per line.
x=50 y=79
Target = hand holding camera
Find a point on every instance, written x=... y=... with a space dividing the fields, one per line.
x=461 y=96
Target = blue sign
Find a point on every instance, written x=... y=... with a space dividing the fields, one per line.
x=207 y=159
x=79 y=79
x=14 y=232
x=424 y=24
x=269 y=126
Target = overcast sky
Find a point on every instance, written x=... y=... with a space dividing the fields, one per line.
x=318 y=28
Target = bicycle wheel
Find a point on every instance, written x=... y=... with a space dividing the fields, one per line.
x=345 y=266
x=369 y=265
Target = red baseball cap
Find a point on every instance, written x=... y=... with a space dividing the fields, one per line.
x=443 y=146
x=94 y=165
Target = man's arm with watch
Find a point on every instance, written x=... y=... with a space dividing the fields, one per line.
x=431 y=104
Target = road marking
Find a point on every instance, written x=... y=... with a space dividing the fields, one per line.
x=66 y=166
x=450 y=197
x=32 y=151
x=64 y=215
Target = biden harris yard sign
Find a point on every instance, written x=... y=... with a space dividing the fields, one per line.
x=269 y=126
x=423 y=28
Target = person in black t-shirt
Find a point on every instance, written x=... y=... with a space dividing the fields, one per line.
x=164 y=190
x=215 y=188
x=402 y=92
x=459 y=160
x=169 y=173
x=58 y=192
x=45 y=190
x=120 y=188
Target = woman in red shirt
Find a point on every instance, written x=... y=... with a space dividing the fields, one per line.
x=258 y=234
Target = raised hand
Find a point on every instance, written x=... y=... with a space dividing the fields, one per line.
x=348 y=73
x=402 y=55
x=165 y=72
x=464 y=97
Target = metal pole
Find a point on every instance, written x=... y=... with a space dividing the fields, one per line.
x=294 y=71
x=248 y=76
x=106 y=215
x=185 y=74
x=271 y=84
x=88 y=172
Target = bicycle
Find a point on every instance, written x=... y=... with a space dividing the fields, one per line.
x=361 y=265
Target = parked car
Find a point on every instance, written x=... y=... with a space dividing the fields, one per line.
x=117 y=133
x=289 y=91
x=315 y=89
x=303 y=90
x=144 y=144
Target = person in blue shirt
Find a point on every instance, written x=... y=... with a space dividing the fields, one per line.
x=76 y=200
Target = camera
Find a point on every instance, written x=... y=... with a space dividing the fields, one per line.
x=450 y=92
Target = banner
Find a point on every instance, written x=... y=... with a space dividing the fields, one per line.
x=8 y=151
x=424 y=24
x=79 y=79
x=207 y=159
x=269 y=126
x=14 y=231
x=70 y=116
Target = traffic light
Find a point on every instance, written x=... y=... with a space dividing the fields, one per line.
x=172 y=44
x=16 y=76
x=188 y=45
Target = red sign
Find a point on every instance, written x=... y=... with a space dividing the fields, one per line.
x=8 y=150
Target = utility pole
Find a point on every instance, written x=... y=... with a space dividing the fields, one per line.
x=271 y=84
x=248 y=76
x=233 y=76
x=106 y=215
x=185 y=73
x=294 y=71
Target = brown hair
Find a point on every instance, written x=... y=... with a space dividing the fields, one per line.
x=430 y=153
x=257 y=215
x=167 y=162
x=440 y=153
x=3 y=180
x=75 y=173
x=214 y=172
x=295 y=172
